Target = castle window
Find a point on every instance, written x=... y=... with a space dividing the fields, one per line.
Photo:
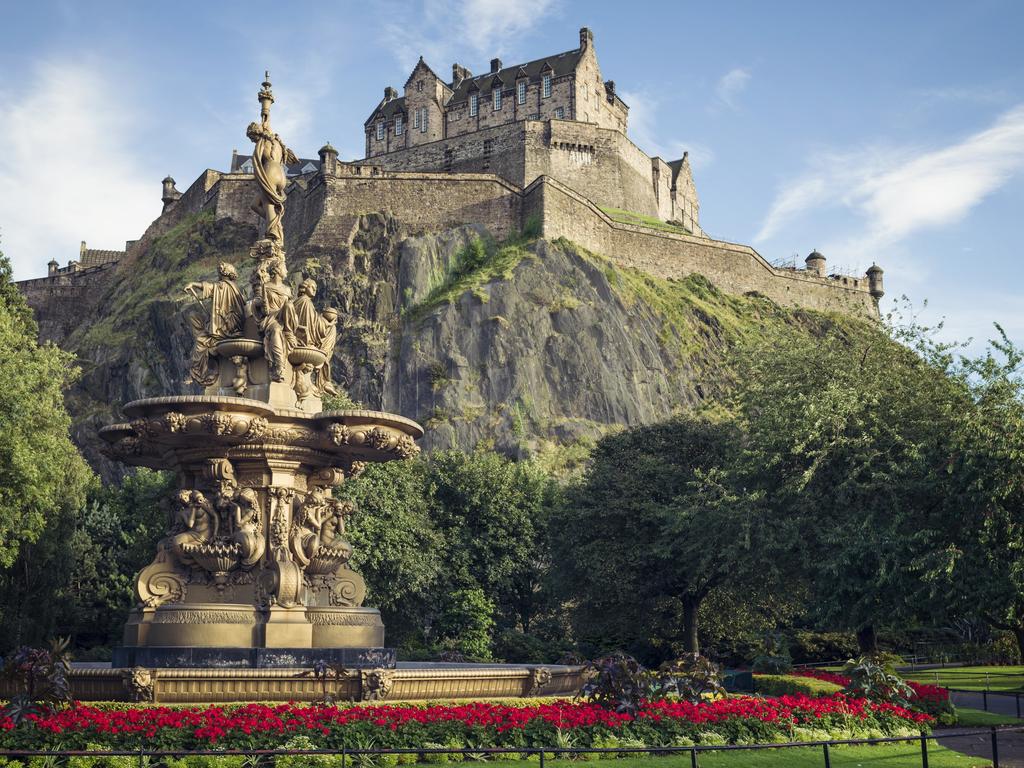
x=545 y=86
x=419 y=86
x=423 y=120
x=399 y=127
x=496 y=93
x=416 y=119
x=488 y=145
x=521 y=92
x=559 y=113
x=380 y=130
x=474 y=104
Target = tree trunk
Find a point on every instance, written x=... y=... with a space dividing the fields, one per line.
x=690 y=641
x=1018 y=633
x=867 y=641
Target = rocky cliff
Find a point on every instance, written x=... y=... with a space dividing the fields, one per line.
x=524 y=344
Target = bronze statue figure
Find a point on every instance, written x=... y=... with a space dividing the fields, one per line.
x=269 y=158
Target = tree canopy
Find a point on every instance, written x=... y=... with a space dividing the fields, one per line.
x=41 y=471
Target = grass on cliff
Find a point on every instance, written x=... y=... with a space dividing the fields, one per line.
x=643 y=220
x=188 y=251
x=476 y=264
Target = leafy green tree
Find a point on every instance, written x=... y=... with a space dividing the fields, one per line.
x=980 y=571
x=491 y=512
x=649 y=534
x=41 y=472
x=847 y=453
x=77 y=579
x=397 y=548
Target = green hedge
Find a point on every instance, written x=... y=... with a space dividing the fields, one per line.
x=789 y=685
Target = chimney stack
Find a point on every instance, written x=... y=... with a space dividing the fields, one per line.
x=586 y=38
x=495 y=65
x=459 y=73
x=390 y=94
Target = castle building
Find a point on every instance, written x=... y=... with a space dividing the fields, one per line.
x=554 y=116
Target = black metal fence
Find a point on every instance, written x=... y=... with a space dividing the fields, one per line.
x=364 y=758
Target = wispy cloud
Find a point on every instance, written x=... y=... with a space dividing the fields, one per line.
x=485 y=28
x=896 y=192
x=67 y=173
x=730 y=86
x=646 y=131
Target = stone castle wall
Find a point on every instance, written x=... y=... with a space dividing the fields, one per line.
x=601 y=163
x=733 y=268
x=60 y=302
x=323 y=210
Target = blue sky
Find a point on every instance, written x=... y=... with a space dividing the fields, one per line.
x=873 y=131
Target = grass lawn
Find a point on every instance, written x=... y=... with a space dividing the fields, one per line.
x=972 y=678
x=977 y=718
x=885 y=756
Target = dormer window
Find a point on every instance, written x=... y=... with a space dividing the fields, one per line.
x=380 y=130
x=474 y=104
x=521 y=92
x=497 y=98
x=399 y=126
x=545 y=85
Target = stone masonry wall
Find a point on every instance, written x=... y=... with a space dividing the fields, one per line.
x=60 y=302
x=733 y=268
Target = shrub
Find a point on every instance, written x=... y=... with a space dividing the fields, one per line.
x=793 y=685
x=874 y=678
x=40 y=676
x=772 y=665
x=690 y=677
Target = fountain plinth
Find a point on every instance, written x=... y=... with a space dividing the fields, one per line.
x=254 y=567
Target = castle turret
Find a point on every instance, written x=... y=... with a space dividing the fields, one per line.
x=171 y=195
x=875 y=283
x=52 y=267
x=815 y=263
x=328 y=160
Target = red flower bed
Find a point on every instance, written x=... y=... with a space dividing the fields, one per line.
x=484 y=724
x=932 y=699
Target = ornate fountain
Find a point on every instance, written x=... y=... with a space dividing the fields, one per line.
x=254 y=568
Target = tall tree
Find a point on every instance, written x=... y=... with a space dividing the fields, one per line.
x=847 y=451
x=41 y=472
x=649 y=533
x=980 y=572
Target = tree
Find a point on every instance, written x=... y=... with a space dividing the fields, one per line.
x=847 y=455
x=980 y=572
x=490 y=511
x=396 y=546
x=41 y=471
x=649 y=533
x=77 y=580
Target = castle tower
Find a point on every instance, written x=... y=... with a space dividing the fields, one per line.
x=52 y=267
x=171 y=194
x=876 y=285
x=328 y=160
x=815 y=263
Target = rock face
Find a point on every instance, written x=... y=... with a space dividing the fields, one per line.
x=518 y=344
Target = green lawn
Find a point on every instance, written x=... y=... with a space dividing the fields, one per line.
x=976 y=718
x=885 y=756
x=973 y=678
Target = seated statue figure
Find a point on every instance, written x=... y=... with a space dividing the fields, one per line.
x=316 y=329
x=305 y=538
x=273 y=310
x=224 y=320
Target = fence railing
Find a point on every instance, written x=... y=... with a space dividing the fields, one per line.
x=357 y=757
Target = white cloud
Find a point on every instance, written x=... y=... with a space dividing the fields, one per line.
x=730 y=86
x=67 y=172
x=447 y=28
x=645 y=133
x=897 y=192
